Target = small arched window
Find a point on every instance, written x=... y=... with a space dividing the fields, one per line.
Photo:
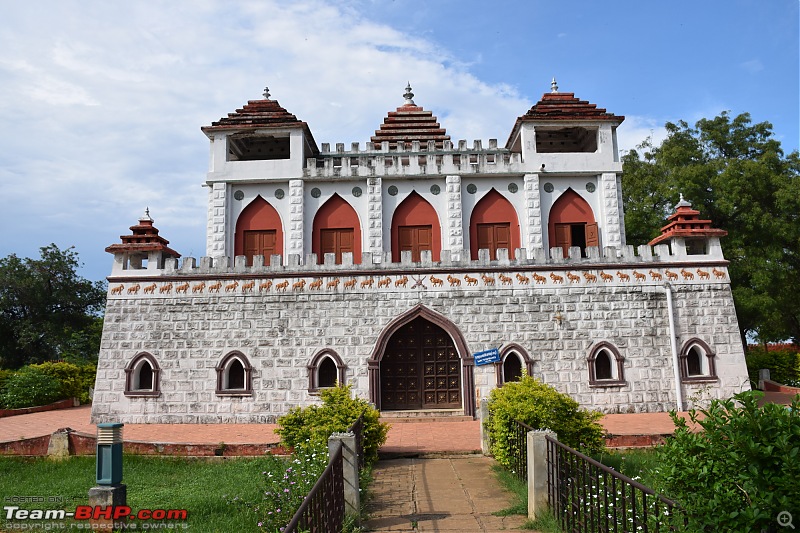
x=234 y=376
x=514 y=360
x=142 y=376
x=325 y=370
x=697 y=362
x=606 y=366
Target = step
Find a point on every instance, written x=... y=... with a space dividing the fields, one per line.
x=425 y=415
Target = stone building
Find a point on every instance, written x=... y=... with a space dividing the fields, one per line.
x=390 y=265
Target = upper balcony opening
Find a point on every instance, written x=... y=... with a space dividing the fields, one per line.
x=251 y=147
x=566 y=140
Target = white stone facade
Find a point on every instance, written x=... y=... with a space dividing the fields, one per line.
x=275 y=316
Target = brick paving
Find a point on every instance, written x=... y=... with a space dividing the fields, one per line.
x=423 y=437
x=447 y=494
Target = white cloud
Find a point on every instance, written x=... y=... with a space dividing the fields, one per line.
x=105 y=102
x=636 y=129
x=753 y=66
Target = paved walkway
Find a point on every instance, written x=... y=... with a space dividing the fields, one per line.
x=448 y=494
x=408 y=437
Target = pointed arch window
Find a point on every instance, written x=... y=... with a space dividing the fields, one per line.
x=606 y=366
x=336 y=230
x=415 y=228
x=325 y=370
x=696 y=361
x=234 y=375
x=142 y=376
x=572 y=223
x=493 y=225
x=259 y=231
x=514 y=361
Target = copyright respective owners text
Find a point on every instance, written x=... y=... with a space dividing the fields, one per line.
x=54 y=513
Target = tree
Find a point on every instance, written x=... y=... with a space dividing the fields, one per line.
x=736 y=174
x=47 y=311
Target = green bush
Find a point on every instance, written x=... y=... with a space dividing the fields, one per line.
x=30 y=387
x=783 y=365
x=740 y=471
x=542 y=407
x=75 y=380
x=4 y=375
x=337 y=413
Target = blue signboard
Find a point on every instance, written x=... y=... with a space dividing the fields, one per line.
x=487 y=356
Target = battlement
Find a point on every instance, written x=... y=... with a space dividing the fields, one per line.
x=627 y=257
x=413 y=158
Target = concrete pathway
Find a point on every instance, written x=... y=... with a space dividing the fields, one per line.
x=457 y=494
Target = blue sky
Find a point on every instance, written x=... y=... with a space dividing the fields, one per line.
x=102 y=102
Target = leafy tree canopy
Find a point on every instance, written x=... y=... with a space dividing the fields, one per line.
x=47 y=311
x=736 y=174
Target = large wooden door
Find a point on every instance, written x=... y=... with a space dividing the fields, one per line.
x=420 y=369
x=336 y=241
x=494 y=236
x=260 y=242
x=415 y=239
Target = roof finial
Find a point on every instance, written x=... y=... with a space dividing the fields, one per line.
x=146 y=215
x=553 y=86
x=408 y=95
x=266 y=93
x=683 y=202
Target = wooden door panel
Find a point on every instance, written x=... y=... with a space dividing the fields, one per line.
x=592 y=235
x=415 y=239
x=420 y=369
x=260 y=242
x=336 y=241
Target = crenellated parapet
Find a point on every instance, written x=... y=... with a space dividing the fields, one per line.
x=412 y=159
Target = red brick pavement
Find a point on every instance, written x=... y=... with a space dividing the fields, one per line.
x=422 y=437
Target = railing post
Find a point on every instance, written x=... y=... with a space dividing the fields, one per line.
x=483 y=413
x=537 y=471
x=352 y=495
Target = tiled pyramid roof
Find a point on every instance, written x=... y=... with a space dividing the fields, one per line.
x=408 y=123
x=685 y=222
x=144 y=238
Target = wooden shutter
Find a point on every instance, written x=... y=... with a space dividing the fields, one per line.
x=502 y=239
x=592 y=235
x=415 y=239
x=564 y=237
x=336 y=241
x=260 y=242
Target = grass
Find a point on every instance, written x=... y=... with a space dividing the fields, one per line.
x=637 y=464
x=202 y=486
x=546 y=523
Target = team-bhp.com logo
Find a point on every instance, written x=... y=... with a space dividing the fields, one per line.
x=116 y=514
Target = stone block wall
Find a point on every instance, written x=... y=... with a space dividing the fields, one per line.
x=188 y=333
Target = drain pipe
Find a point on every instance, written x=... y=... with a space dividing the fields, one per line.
x=673 y=344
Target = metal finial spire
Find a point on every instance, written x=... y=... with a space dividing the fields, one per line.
x=683 y=202
x=146 y=215
x=408 y=95
x=266 y=93
x=553 y=86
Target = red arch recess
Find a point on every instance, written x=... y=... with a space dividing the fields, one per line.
x=258 y=215
x=336 y=213
x=570 y=208
x=416 y=211
x=493 y=208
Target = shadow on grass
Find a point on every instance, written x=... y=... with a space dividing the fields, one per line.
x=545 y=523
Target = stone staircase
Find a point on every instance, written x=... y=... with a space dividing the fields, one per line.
x=425 y=415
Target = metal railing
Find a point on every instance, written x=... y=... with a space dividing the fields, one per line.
x=518 y=447
x=357 y=429
x=587 y=496
x=322 y=511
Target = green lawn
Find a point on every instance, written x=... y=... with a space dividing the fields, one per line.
x=202 y=486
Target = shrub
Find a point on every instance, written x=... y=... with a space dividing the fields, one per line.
x=75 y=380
x=783 y=364
x=30 y=387
x=741 y=470
x=337 y=413
x=542 y=407
x=4 y=375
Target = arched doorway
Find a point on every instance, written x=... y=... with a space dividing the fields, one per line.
x=258 y=231
x=493 y=225
x=337 y=230
x=415 y=227
x=421 y=361
x=572 y=223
